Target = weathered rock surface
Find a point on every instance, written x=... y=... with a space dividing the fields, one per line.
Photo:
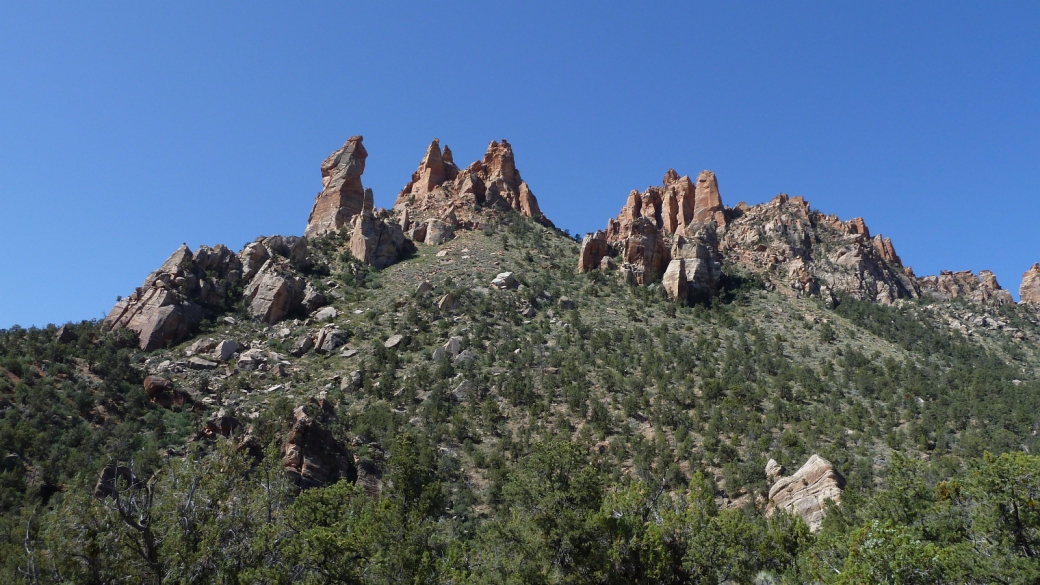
x=803 y=252
x=594 y=248
x=188 y=287
x=159 y=311
x=438 y=187
x=655 y=227
x=981 y=288
x=377 y=240
x=1029 y=291
x=342 y=196
x=504 y=281
x=274 y=293
x=313 y=457
x=805 y=492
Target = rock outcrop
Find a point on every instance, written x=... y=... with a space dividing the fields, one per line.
x=981 y=288
x=659 y=227
x=169 y=306
x=803 y=252
x=1029 y=291
x=377 y=240
x=313 y=457
x=342 y=196
x=805 y=492
x=441 y=192
x=188 y=287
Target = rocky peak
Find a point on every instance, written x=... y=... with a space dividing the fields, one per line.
x=342 y=196
x=707 y=202
x=1029 y=291
x=885 y=249
x=665 y=231
x=439 y=191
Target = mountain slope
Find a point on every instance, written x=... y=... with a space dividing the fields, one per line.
x=558 y=426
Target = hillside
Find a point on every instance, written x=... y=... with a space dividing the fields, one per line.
x=457 y=391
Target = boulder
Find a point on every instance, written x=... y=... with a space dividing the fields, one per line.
x=329 y=339
x=453 y=346
x=438 y=232
x=304 y=344
x=225 y=349
x=197 y=363
x=805 y=492
x=465 y=357
x=312 y=299
x=342 y=196
x=504 y=280
x=773 y=471
x=252 y=359
x=567 y=304
x=201 y=346
x=274 y=293
x=424 y=287
x=162 y=392
x=393 y=341
x=325 y=314
x=446 y=302
x=1029 y=291
x=352 y=382
x=221 y=425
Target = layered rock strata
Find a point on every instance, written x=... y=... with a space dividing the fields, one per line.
x=806 y=491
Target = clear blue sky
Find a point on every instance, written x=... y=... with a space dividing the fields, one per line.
x=126 y=129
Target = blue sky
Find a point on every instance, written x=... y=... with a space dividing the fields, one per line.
x=128 y=128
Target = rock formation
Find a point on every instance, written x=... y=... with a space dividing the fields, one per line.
x=805 y=492
x=803 y=252
x=982 y=288
x=313 y=457
x=162 y=310
x=1029 y=291
x=174 y=299
x=655 y=228
x=342 y=196
x=377 y=240
x=441 y=197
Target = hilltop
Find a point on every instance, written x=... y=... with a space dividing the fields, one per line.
x=456 y=390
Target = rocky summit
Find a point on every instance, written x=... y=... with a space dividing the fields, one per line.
x=453 y=390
